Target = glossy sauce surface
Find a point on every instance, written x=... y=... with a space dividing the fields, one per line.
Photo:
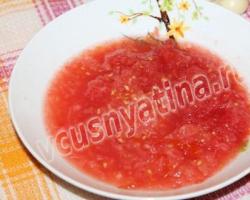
x=183 y=147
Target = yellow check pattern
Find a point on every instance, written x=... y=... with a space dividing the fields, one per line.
x=22 y=177
x=7 y=6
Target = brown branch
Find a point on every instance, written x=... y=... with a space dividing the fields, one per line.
x=164 y=18
x=139 y=14
x=155 y=17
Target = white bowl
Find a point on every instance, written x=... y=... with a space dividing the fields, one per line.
x=224 y=33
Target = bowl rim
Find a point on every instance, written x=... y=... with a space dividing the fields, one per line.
x=85 y=187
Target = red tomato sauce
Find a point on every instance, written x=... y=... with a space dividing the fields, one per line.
x=184 y=147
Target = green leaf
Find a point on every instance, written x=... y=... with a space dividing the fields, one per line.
x=195 y=15
x=146 y=12
x=167 y=5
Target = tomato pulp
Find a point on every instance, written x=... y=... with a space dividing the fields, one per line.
x=189 y=143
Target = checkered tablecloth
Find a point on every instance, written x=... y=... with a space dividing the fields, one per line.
x=21 y=176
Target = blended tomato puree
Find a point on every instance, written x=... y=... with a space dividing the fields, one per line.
x=189 y=143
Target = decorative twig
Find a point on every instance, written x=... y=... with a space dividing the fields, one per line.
x=139 y=14
x=197 y=9
x=195 y=5
x=164 y=18
x=175 y=28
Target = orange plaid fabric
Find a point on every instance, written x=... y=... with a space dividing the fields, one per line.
x=21 y=177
